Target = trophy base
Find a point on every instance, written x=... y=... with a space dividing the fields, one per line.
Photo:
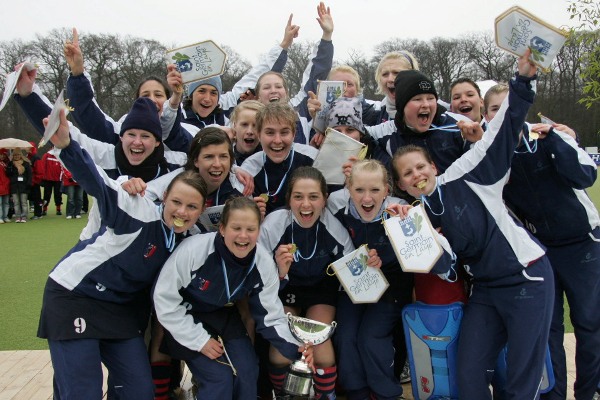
x=298 y=381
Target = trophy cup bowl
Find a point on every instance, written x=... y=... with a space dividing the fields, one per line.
x=298 y=381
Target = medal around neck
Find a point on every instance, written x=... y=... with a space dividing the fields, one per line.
x=298 y=380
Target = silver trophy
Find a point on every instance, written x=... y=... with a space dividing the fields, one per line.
x=298 y=381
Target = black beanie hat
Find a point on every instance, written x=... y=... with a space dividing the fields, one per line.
x=409 y=84
x=143 y=115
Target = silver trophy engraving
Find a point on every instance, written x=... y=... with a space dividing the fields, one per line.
x=298 y=381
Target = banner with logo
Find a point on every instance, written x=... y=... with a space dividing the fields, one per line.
x=363 y=284
x=517 y=30
x=210 y=218
x=198 y=61
x=327 y=92
x=414 y=240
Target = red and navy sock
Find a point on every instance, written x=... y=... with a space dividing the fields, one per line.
x=324 y=381
x=161 y=376
x=277 y=377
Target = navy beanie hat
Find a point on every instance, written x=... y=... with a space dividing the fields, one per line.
x=214 y=81
x=143 y=115
x=409 y=84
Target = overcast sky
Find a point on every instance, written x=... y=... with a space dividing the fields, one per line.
x=251 y=27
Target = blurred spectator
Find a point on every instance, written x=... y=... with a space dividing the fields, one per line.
x=51 y=182
x=37 y=169
x=19 y=173
x=4 y=187
x=74 y=194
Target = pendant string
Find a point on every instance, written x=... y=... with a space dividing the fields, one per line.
x=282 y=183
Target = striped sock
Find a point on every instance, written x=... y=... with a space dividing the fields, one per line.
x=161 y=376
x=324 y=381
x=277 y=377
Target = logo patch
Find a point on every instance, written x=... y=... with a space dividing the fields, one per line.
x=150 y=250
x=424 y=85
x=203 y=284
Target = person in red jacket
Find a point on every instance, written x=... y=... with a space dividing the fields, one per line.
x=74 y=194
x=4 y=187
x=37 y=175
x=51 y=181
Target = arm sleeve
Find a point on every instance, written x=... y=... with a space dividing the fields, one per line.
x=175 y=275
x=87 y=113
x=570 y=161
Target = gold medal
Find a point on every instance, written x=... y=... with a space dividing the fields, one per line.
x=229 y=304
x=294 y=248
x=421 y=184
x=178 y=222
x=264 y=196
x=534 y=135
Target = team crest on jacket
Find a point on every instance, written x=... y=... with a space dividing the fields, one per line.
x=203 y=284
x=150 y=249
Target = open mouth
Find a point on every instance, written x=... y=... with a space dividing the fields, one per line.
x=274 y=99
x=249 y=141
x=465 y=109
x=243 y=246
x=215 y=174
x=423 y=117
x=368 y=208
x=306 y=215
x=277 y=150
x=421 y=184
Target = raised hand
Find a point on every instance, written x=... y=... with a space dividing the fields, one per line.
x=526 y=66
x=290 y=33
x=61 y=138
x=25 y=81
x=73 y=54
x=325 y=20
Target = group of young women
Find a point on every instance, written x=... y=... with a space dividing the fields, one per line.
x=226 y=227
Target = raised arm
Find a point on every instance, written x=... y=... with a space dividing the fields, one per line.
x=86 y=111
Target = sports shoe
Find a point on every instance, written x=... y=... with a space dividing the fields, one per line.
x=68 y=216
x=58 y=212
x=23 y=220
x=17 y=220
x=35 y=217
x=405 y=374
x=78 y=216
x=1 y=221
x=7 y=220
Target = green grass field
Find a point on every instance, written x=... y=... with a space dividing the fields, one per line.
x=30 y=251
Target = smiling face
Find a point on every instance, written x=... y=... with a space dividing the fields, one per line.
x=182 y=207
x=271 y=88
x=307 y=201
x=466 y=101
x=240 y=233
x=368 y=190
x=420 y=111
x=214 y=163
x=276 y=139
x=154 y=91
x=138 y=144
x=416 y=174
x=246 y=138
x=204 y=100
x=388 y=71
